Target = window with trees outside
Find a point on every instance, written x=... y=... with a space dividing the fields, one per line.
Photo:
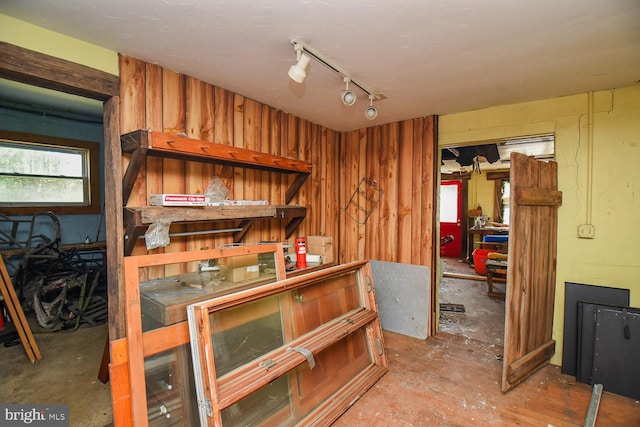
x=46 y=173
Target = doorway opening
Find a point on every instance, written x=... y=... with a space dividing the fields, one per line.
x=475 y=187
x=69 y=258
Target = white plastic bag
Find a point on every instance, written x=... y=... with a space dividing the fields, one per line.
x=217 y=191
x=157 y=235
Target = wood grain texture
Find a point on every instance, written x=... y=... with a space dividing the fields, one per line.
x=401 y=158
x=532 y=257
x=173 y=171
x=132 y=117
x=114 y=223
x=198 y=175
x=54 y=73
x=154 y=165
x=453 y=381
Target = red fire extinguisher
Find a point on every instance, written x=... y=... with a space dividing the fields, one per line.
x=301 y=252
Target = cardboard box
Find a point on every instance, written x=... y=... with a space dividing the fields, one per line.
x=167 y=199
x=239 y=260
x=319 y=241
x=325 y=251
x=238 y=274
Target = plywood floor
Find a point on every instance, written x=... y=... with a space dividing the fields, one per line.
x=450 y=380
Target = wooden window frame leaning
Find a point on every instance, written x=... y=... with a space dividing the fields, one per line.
x=128 y=354
x=218 y=393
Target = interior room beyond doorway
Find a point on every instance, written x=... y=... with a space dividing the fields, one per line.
x=481 y=171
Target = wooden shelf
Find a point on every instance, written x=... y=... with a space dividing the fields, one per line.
x=137 y=219
x=143 y=143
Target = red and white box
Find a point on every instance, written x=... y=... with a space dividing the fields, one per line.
x=168 y=199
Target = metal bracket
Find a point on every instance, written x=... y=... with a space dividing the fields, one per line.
x=206 y=404
x=379 y=346
x=267 y=364
x=306 y=353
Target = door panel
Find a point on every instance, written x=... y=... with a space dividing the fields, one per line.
x=528 y=343
x=451 y=218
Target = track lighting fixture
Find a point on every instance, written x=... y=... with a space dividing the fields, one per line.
x=298 y=73
x=371 y=112
x=348 y=97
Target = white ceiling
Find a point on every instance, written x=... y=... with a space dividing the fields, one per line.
x=426 y=56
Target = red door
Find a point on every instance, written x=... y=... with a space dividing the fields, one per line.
x=451 y=219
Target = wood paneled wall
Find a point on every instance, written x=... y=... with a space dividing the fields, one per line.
x=401 y=159
x=162 y=100
x=399 y=156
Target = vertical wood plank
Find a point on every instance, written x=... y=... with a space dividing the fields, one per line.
x=417 y=192
x=200 y=126
x=114 y=225
x=265 y=180
x=305 y=133
x=278 y=181
x=391 y=193
x=132 y=116
x=331 y=187
x=405 y=192
x=376 y=164
x=348 y=231
x=430 y=168
x=315 y=146
x=223 y=113
x=132 y=94
x=292 y=141
x=238 y=141
x=321 y=150
x=252 y=121
x=430 y=244
x=153 y=109
x=173 y=177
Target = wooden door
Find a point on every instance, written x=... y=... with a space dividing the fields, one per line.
x=528 y=343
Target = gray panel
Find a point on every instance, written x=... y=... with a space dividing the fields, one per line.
x=586 y=337
x=615 y=356
x=575 y=292
x=403 y=296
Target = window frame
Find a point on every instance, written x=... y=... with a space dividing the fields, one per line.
x=93 y=175
x=498 y=177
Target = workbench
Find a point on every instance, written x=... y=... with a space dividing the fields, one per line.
x=484 y=231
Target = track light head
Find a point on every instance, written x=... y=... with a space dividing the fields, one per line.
x=348 y=98
x=371 y=112
x=298 y=72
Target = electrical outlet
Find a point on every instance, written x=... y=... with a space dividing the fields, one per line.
x=586 y=231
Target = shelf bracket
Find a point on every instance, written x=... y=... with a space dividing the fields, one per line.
x=295 y=186
x=245 y=225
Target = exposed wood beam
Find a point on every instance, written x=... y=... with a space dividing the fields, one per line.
x=38 y=69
